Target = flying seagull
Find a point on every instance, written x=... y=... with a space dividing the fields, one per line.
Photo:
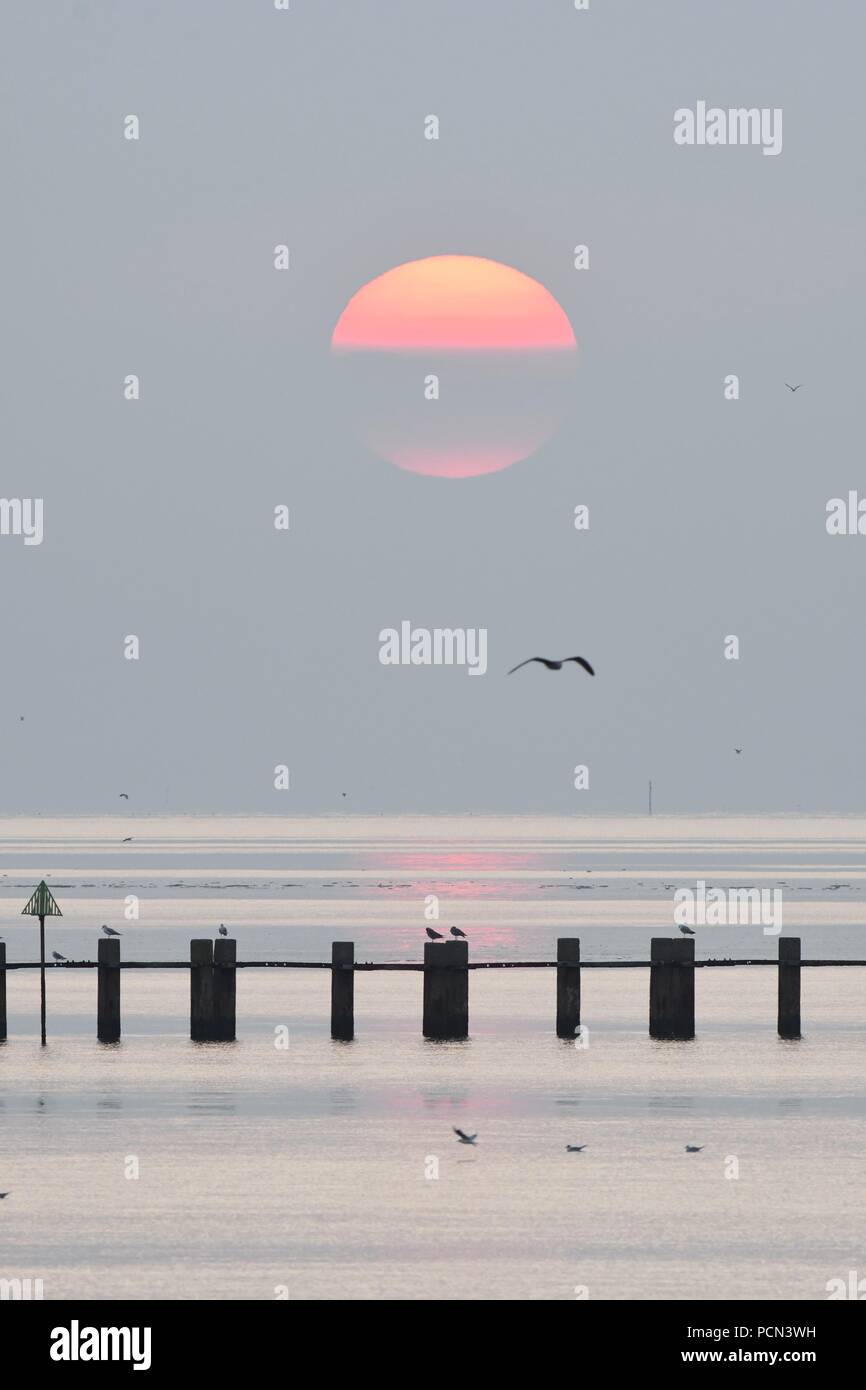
x=223 y=930
x=575 y=1148
x=693 y=1148
x=433 y=935
x=794 y=388
x=455 y=931
x=553 y=665
x=109 y=931
x=738 y=750
x=57 y=955
x=127 y=839
x=686 y=931
x=464 y=1138
x=124 y=796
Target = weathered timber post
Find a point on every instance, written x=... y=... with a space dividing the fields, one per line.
x=446 y=989
x=2 y=991
x=343 y=990
x=789 y=987
x=201 y=987
x=225 y=953
x=567 y=987
x=108 y=990
x=672 y=988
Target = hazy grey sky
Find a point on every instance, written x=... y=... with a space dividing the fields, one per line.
x=259 y=647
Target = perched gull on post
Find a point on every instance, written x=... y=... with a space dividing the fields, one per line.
x=223 y=931
x=109 y=931
x=433 y=935
x=455 y=932
x=686 y=931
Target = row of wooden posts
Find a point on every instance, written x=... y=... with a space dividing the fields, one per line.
x=213 y=967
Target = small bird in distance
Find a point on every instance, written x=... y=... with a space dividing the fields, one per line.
x=4 y=1194
x=127 y=840
x=554 y=665
x=793 y=388
x=124 y=796
x=694 y=1148
x=109 y=931
x=575 y=1148
x=455 y=932
x=433 y=935
x=464 y=1138
x=223 y=930
x=738 y=750
x=686 y=931
x=57 y=955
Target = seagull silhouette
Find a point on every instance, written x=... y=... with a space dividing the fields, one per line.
x=575 y=1148
x=553 y=665
x=686 y=931
x=433 y=935
x=127 y=839
x=693 y=1148
x=794 y=388
x=4 y=1194
x=57 y=955
x=223 y=930
x=455 y=931
x=109 y=931
x=738 y=750
x=124 y=796
x=464 y=1138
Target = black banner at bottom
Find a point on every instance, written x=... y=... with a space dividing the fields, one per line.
x=82 y=1339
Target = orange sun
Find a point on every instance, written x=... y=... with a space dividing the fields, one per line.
x=498 y=359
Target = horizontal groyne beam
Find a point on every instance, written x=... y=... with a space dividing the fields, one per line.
x=407 y=965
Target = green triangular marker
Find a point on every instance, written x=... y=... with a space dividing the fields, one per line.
x=42 y=904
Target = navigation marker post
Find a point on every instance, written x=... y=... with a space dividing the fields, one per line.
x=42 y=905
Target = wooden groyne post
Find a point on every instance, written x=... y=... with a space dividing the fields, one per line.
x=201 y=990
x=342 y=990
x=225 y=954
x=789 y=987
x=567 y=987
x=2 y=991
x=446 y=989
x=672 y=988
x=108 y=990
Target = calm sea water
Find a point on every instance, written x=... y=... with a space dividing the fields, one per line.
x=331 y=1171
